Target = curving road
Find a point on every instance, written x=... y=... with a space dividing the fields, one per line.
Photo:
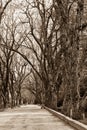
x=30 y=117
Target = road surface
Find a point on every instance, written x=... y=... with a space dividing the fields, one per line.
x=30 y=117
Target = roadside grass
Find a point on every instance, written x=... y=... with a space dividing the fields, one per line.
x=84 y=121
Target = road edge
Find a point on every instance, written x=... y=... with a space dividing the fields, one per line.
x=76 y=124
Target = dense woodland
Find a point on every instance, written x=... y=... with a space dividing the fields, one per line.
x=43 y=49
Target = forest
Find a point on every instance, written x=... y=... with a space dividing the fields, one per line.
x=43 y=50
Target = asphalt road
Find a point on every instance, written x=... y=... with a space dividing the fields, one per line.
x=30 y=117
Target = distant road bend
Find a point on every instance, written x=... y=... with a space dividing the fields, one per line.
x=31 y=117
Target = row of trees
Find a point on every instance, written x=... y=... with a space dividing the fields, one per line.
x=13 y=69
x=48 y=36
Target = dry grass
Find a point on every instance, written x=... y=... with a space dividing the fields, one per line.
x=84 y=121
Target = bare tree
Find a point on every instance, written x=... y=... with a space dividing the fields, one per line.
x=51 y=37
x=2 y=8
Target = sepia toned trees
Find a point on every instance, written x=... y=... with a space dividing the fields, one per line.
x=11 y=78
x=48 y=36
x=2 y=69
